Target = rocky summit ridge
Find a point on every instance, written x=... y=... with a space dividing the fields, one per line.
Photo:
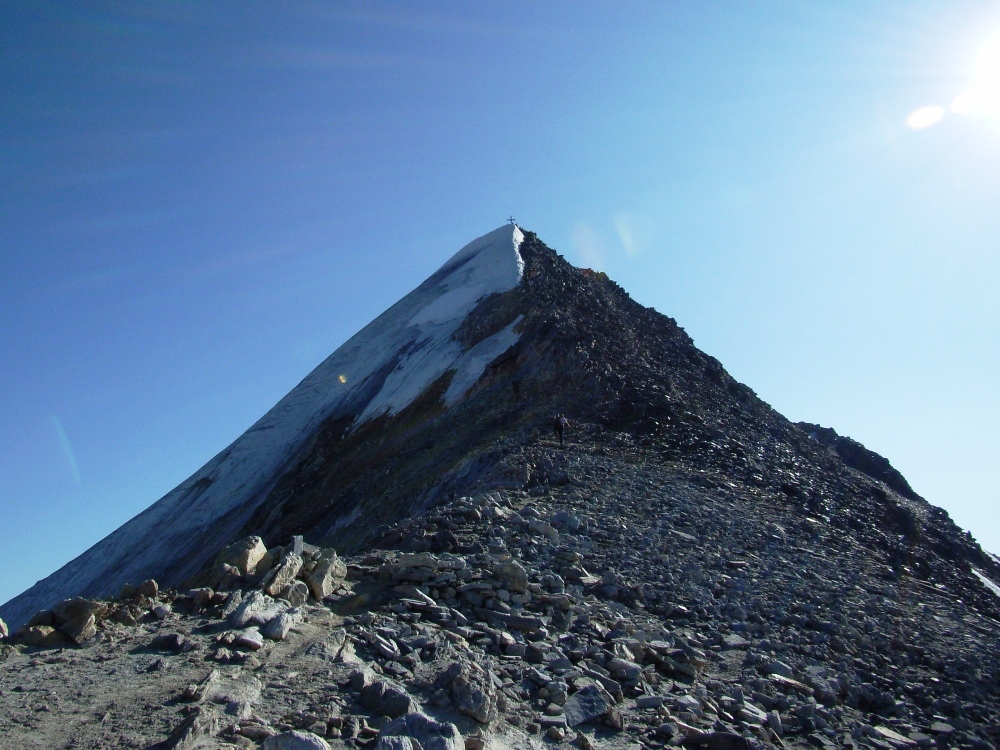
x=425 y=564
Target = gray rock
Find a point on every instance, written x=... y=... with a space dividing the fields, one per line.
x=233 y=601
x=250 y=639
x=734 y=640
x=513 y=577
x=248 y=609
x=780 y=668
x=649 y=701
x=175 y=642
x=326 y=576
x=80 y=629
x=41 y=636
x=199 y=725
x=148 y=588
x=432 y=735
x=625 y=670
x=283 y=575
x=397 y=743
x=160 y=611
x=239 y=692
x=328 y=649
x=3 y=629
x=386 y=699
x=565 y=520
x=295 y=740
x=296 y=593
x=588 y=703
x=774 y=722
x=471 y=691
x=277 y=629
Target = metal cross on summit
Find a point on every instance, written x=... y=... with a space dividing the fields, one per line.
x=510 y=220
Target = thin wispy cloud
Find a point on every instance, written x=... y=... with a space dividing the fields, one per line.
x=67 y=448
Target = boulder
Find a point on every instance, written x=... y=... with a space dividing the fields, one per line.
x=243 y=555
x=80 y=629
x=176 y=642
x=41 y=636
x=232 y=603
x=623 y=669
x=471 y=691
x=284 y=574
x=326 y=576
x=42 y=617
x=397 y=743
x=160 y=611
x=386 y=699
x=221 y=577
x=248 y=609
x=277 y=629
x=589 y=703
x=432 y=735
x=202 y=597
x=513 y=577
x=199 y=725
x=296 y=593
x=295 y=740
x=249 y=639
x=74 y=609
x=148 y=588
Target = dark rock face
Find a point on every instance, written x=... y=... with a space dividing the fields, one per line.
x=855 y=455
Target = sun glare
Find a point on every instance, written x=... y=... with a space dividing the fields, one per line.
x=964 y=103
x=982 y=96
x=925 y=117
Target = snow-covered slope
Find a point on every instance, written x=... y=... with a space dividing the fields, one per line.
x=381 y=369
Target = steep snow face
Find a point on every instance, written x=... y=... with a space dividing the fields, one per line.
x=380 y=370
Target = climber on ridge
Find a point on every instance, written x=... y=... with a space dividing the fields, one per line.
x=559 y=426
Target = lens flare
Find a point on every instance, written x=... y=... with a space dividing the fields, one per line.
x=924 y=117
x=964 y=104
x=342 y=378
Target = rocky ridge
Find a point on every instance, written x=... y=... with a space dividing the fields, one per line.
x=615 y=602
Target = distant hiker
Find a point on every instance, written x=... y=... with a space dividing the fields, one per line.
x=559 y=426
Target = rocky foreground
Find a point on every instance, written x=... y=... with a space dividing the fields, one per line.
x=620 y=600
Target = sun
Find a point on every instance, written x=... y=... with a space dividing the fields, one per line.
x=984 y=94
x=981 y=97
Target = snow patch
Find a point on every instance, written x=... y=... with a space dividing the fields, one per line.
x=987 y=582
x=471 y=365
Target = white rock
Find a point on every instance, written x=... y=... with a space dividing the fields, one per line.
x=250 y=638
x=249 y=607
x=160 y=611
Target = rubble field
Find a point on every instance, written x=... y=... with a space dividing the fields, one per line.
x=619 y=600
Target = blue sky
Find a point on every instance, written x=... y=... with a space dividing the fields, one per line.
x=199 y=202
